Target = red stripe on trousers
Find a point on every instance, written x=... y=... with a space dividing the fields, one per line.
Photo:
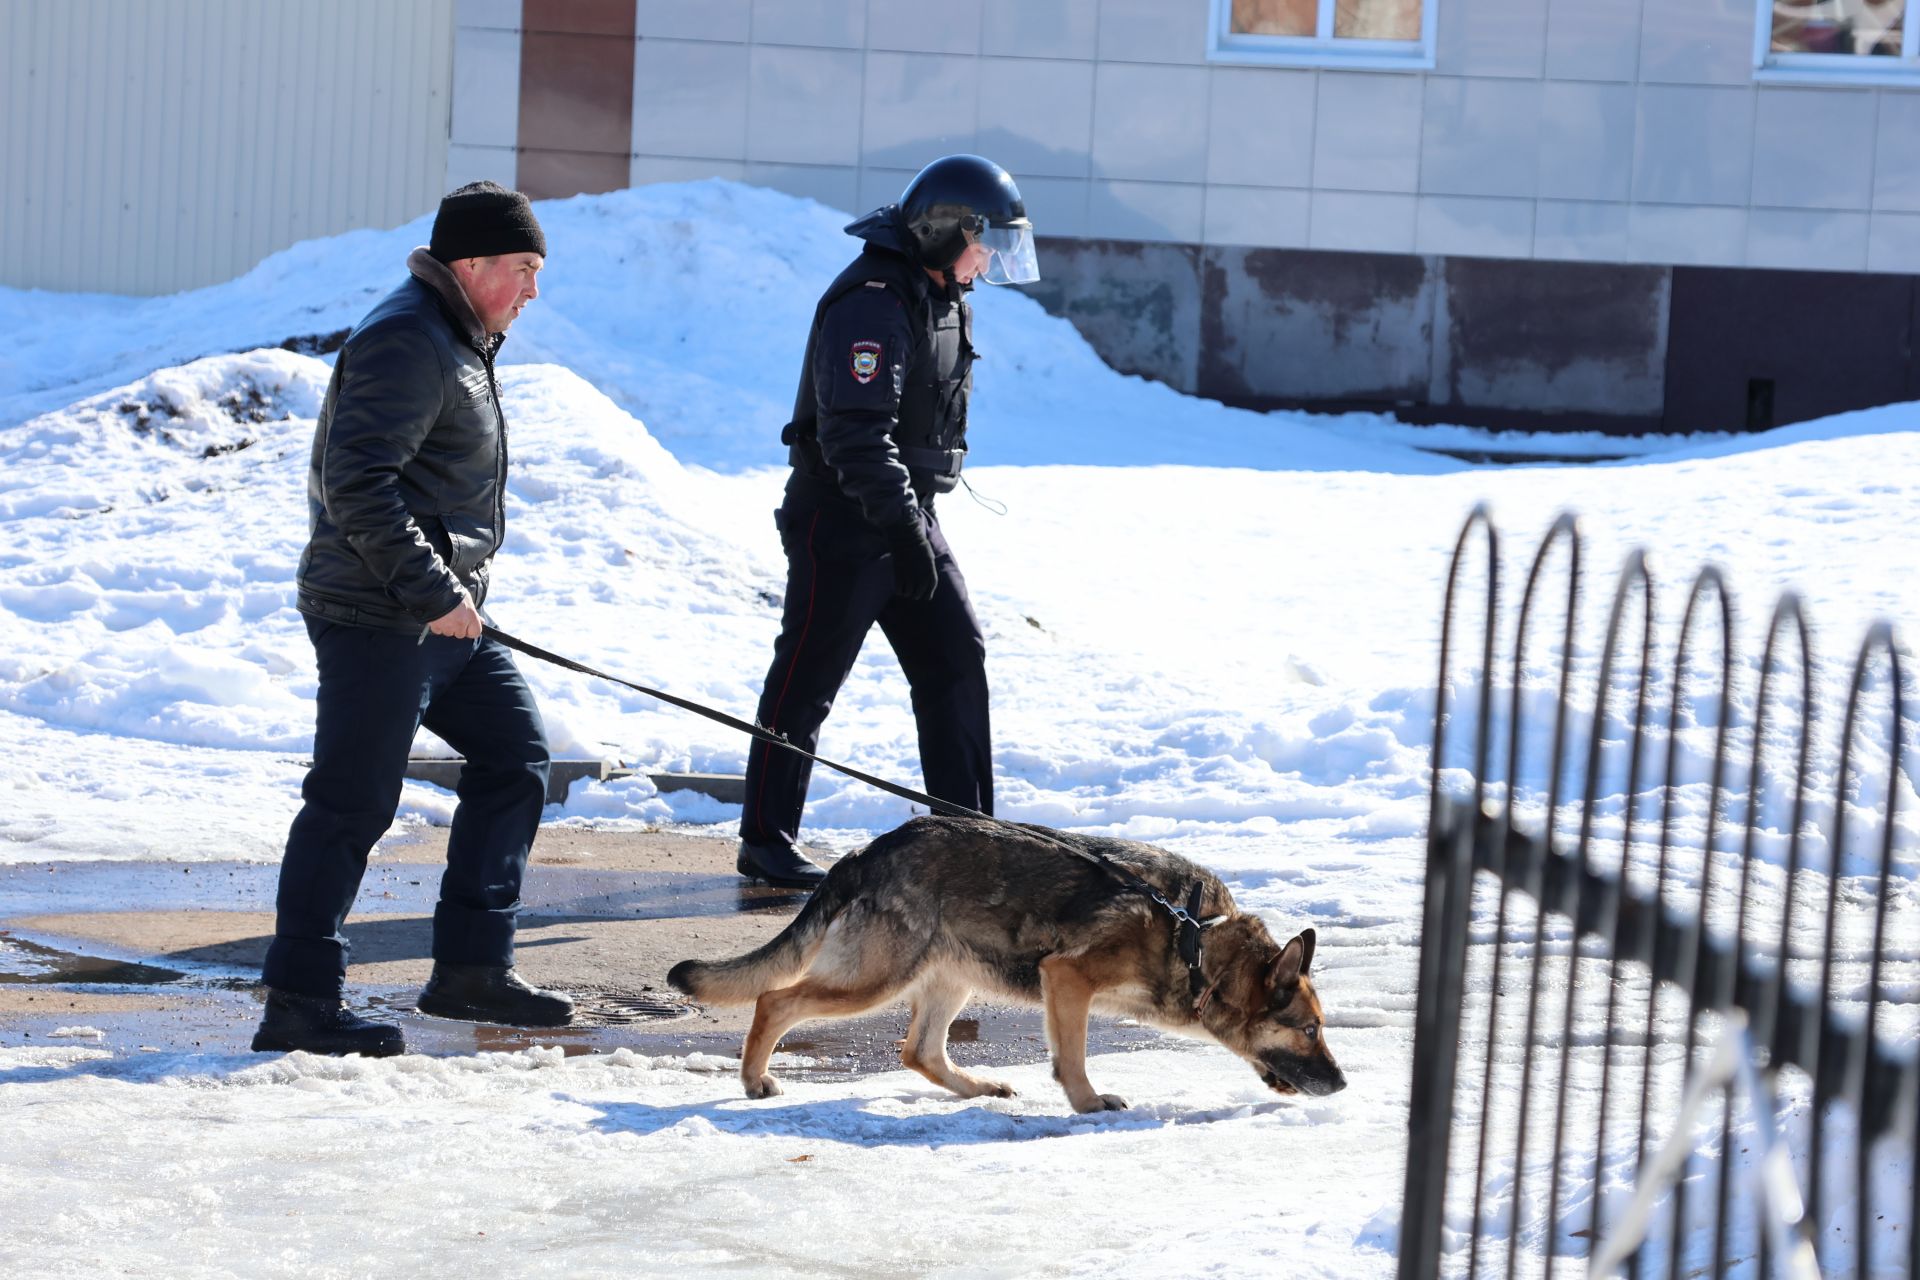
x=813 y=584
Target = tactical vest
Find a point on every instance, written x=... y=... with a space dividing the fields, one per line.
x=931 y=432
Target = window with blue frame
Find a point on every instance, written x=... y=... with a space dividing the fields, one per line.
x=1835 y=42
x=1382 y=34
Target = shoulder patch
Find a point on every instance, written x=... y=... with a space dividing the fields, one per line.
x=866 y=361
x=876 y=284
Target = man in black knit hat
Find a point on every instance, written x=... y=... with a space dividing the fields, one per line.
x=406 y=497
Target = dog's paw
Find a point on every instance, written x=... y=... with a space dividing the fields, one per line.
x=980 y=1088
x=1101 y=1102
x=764 y=1087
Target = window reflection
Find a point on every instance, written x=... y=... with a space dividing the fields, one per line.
x=1275 y=17
x=1838 y=26
x=1377 y=19
x=1352 y=19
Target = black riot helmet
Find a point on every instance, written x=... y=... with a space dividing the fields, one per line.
x=961 y=200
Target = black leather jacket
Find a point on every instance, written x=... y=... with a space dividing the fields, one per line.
x=880 y=418
x=406 y=492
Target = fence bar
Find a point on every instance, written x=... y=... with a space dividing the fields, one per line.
x=1443 y=940
x=1702 y=976
x=1763 y=998
x=1564 y=529
x=1603 y=905
x=1768 y=1022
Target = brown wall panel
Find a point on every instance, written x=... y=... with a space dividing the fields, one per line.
x=1913 y=347
x=576 y=96
x=580 y=17
x=1299 y=326
x=547 y=175
x=1754 y=348
x=1551 y=337
x=576 y=93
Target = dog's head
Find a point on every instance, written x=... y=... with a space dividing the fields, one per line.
x=1272 y=1017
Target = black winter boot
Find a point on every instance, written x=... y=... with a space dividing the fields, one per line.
x=778 y=862
x=491 y=993
x=322 y=1024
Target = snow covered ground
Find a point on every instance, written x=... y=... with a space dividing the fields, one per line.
x=1220 y=639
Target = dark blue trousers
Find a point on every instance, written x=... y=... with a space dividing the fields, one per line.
x=376 y=689
x=839 y=583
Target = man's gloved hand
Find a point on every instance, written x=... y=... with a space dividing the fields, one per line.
x=914 y=576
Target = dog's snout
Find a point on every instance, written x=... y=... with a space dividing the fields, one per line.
x=1323 y=1078
x=1321 y=1086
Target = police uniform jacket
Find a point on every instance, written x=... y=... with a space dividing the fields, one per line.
x=880 y=419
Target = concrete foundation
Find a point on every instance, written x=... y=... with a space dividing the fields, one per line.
x=1502 y=343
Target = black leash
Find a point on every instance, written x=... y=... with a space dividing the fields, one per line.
x=1187 y=919
x=760 y=733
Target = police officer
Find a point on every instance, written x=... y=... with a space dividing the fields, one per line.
x=879 y=430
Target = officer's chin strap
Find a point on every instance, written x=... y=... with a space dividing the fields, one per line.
x=994 y=505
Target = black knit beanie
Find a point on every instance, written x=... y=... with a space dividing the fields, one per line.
x=482 y=220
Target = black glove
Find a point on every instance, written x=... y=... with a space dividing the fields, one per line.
x=914 y=576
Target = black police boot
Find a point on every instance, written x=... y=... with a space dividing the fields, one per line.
x=491 y=993
x=322 y=1024
x=778 y=862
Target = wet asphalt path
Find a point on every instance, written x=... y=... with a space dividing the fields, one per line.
x=165 y=956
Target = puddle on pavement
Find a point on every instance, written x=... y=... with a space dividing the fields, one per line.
x=23 y=960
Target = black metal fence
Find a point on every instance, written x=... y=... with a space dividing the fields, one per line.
x=1680 y=1048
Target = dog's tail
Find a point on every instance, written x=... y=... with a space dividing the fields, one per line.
x=783 y=958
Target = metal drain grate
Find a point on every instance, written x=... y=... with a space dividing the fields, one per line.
x=613 y=1008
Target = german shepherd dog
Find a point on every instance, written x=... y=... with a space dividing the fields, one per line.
x=942 y=907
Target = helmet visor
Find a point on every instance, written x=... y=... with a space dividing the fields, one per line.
x=1012 y=260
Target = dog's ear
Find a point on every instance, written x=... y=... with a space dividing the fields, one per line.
x=1293 y=962
x=1287 y=966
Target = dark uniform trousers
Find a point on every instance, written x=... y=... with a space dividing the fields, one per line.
x=376 y=689
x=839 y=583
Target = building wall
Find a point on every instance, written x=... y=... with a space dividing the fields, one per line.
x=1585 y=213
x=148 y=146
x=1564 y=130
x=1457 y=339
x=1502 y=343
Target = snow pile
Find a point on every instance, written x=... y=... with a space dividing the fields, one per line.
x=1175 y=652
x=688 y=304
x=165 y=509
x=148 y=598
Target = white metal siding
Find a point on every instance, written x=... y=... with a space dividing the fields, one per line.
x=148 y=146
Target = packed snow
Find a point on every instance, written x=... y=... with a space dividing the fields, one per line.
x=1207 y=628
